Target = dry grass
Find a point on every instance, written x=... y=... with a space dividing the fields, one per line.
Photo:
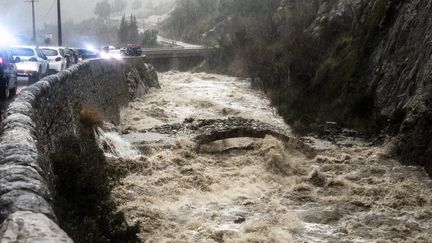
x=90 y=119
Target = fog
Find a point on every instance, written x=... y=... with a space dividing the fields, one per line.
x=16 y=14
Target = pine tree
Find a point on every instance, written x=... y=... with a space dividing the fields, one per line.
x=123 y=34
x=133 y=33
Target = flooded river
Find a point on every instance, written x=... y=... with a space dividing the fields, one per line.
x=256 y=190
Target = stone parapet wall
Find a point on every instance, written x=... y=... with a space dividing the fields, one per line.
x=35 y=121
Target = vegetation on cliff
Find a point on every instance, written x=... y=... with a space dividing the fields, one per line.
x=311 y=57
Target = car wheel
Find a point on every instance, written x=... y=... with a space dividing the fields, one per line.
x=4 y=93
x=12 y=92
x=47 y=72
x=36 y=77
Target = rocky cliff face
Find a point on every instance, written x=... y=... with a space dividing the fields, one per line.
x=402 y=68
x=396 y=69
x=365 y=64
x=392 y=42
x=388 y=46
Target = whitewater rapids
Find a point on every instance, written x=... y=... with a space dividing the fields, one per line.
x=256 y=190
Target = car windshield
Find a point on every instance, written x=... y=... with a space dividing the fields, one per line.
x=23 y=52
x=49 y=52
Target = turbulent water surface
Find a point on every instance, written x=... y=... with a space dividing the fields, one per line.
x=256 y=190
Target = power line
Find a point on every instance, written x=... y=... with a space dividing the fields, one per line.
x=33 y=18
x=49 y=11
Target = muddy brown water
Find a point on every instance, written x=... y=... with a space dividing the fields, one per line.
x=256 y=190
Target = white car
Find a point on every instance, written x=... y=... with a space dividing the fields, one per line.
x=56 y=58
x=33 y=65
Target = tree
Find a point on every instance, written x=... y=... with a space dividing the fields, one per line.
x=128 y=31
x=133 y=33
x=123 y=31
x=103 y=9
x=150 y=38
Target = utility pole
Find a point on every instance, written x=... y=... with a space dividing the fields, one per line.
x=34 y=19
x=60 y=37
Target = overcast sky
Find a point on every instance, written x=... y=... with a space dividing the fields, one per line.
x=16 y=14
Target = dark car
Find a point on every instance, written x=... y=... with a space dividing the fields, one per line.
x=8 y=73
x=131 y=50
x=84 y=54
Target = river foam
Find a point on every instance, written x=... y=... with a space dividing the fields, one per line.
x=259 y=190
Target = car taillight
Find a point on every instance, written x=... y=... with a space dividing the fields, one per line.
x=33 y=59
x=58 y=59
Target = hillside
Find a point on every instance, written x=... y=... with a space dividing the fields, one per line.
x=361 y=64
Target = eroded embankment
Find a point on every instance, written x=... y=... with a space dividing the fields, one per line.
x=259 y=189
x=37 y=123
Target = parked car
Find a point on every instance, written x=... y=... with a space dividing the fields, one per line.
x=56 y=58
x=33 y=65
x=84 y=54
x=8 y=73
x=131 y=50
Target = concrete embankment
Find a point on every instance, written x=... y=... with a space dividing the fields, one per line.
x=37 y=119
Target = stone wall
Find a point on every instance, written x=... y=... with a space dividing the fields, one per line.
x=176 y=63
x=35 y=121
